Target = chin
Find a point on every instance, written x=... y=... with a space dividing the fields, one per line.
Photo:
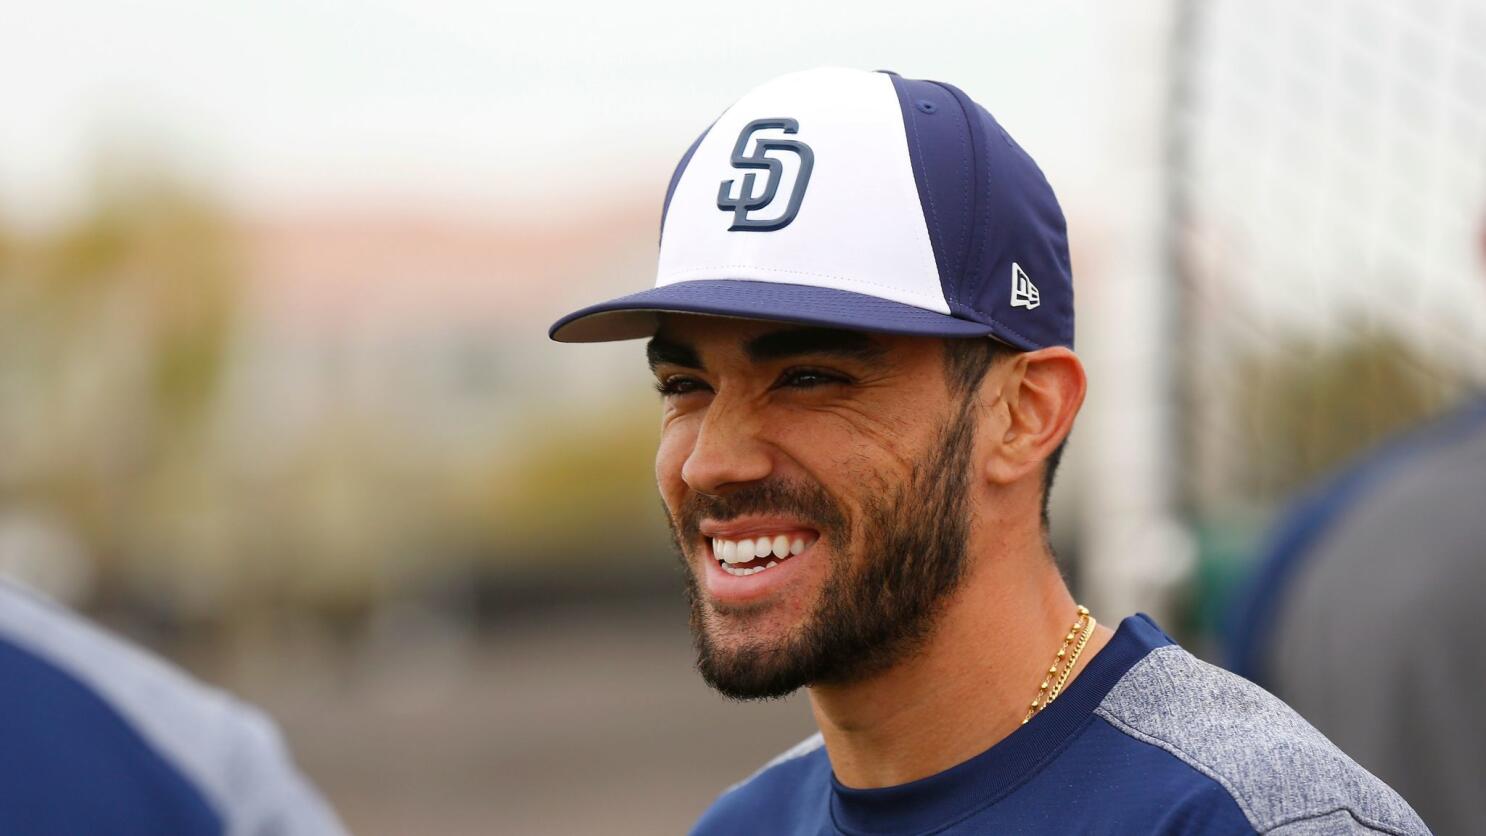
x=750 y=672
x=751 y=630
x=749 y=652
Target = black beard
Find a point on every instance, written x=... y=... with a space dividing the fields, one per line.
x=869 y=616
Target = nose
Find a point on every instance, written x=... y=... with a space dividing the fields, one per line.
x=728 y=452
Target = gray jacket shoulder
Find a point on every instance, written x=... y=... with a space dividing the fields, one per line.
x=229 y=750
x=1285 y=776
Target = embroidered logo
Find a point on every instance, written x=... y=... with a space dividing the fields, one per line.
x=1023 y=293
x=747 y=202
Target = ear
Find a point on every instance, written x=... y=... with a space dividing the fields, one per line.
x=1042 y=392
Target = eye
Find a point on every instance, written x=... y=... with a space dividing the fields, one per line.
x=679 y=384
x=809 y=379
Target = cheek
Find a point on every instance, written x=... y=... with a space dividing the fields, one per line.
x=852 y=460
x=676 y=442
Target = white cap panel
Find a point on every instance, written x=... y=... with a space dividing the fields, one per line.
x=859 y=225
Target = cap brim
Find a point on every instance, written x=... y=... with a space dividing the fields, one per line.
x=638 y=315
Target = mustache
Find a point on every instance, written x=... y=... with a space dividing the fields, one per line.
x=810 y=503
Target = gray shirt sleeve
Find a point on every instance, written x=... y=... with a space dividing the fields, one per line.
x=229 y=751
x=1283 y=774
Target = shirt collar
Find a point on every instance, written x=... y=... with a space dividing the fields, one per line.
x=943 y=798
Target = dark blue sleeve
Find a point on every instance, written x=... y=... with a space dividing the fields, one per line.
x=788 y=799
x=71 y=764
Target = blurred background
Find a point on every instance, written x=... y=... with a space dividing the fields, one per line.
x=276 y=397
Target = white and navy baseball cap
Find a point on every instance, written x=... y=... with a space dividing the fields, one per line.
x=858 y=200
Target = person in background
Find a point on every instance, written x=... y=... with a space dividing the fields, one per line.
x=99 y=737
x=1362 y=615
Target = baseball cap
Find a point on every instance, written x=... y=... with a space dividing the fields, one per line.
x=860 y=200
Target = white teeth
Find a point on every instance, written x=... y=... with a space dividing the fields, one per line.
x=733 y=552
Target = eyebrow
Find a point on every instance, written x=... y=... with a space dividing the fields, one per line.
x=794 y=342
x=662 y=350
x=775 y=345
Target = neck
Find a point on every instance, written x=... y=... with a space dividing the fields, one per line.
x=966 y=689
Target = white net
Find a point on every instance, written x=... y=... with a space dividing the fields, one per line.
x=1328 y=165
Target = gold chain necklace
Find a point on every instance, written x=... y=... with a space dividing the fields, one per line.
x=1081 y=630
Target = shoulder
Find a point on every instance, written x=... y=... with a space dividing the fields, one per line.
x=1425 y=477
x=81 y=704
x=1282 y=773
x=784 y=794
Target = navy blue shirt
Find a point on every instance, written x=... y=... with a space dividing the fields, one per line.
x=1147 y=739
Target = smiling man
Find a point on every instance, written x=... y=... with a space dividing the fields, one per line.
x=862 y=335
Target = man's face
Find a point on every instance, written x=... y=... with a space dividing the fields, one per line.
x=817 y=487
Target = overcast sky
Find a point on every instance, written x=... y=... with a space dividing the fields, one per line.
x=483 y=102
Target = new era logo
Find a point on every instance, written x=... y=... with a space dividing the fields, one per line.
x=1023 y=293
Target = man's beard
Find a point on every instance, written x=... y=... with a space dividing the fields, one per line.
x=870 y=614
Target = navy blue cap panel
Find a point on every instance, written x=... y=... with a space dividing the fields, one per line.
x=637 y=315
x=1027 y=241
x=992 y=218
x=943 y=165
x=976 y=175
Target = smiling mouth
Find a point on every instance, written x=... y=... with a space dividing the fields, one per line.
x=752 y=555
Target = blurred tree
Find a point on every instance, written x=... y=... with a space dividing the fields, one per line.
x=116 y=320
x=239 y=467
x=1309 y=405
x=580 y=491
x=1304 y=406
